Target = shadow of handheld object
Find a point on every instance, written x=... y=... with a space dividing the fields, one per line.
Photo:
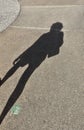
x=47 y=45
x=57 y=39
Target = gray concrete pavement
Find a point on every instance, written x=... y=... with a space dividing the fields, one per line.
x=44 y=17
x=51 y=2
x=53 y=98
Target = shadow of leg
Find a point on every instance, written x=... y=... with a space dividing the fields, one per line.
x=17 y=92
x=9 y=73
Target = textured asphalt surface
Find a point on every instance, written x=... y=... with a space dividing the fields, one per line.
x=53 y=97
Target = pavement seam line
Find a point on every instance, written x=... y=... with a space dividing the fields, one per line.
x=52 y=6
x=40 y=28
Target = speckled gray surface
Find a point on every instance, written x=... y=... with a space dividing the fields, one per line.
x=53 y=97
x=9 y=9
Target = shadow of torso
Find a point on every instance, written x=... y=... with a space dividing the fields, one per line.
x=47 y=45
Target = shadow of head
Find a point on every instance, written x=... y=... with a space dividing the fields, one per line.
x=56 y=26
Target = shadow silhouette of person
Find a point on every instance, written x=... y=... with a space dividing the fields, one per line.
x=47 y=45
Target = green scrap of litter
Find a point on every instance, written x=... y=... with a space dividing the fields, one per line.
x=15 y=109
